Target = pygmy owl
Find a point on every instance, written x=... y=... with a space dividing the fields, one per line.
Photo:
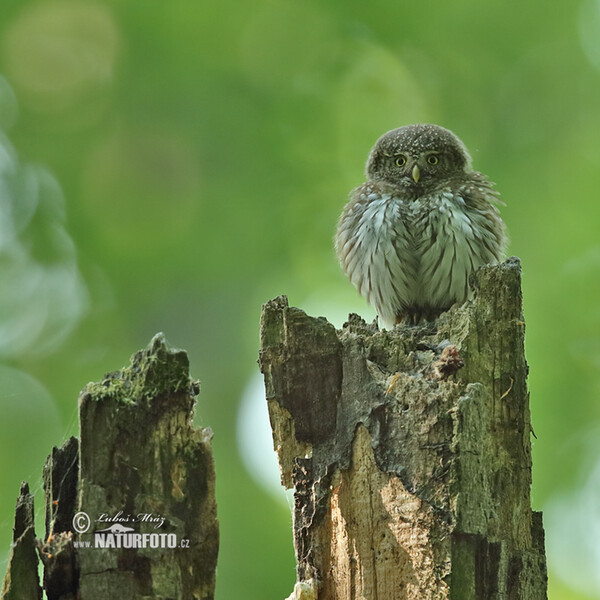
x=412 y=234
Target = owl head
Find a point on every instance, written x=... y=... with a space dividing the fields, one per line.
x=418 y=156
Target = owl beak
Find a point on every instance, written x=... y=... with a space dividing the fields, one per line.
x=416 y=174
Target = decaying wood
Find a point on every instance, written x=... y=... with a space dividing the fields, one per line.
x=141 y=466
x=409 y=450
x=61 y=569
x=21 y=581
x=140 y=455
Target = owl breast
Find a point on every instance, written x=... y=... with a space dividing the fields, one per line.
x=412 y=259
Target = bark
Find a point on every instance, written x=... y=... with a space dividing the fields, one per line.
x=21 y=581
x=409 y=450
x=139 y=466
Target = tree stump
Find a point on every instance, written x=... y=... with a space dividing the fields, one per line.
x=408 y=450
x=130 y=508
x=21 y=581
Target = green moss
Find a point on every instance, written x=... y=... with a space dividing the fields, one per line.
x=155 y=370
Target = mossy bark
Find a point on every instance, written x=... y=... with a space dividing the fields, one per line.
x=145 y=474
x=412 y=470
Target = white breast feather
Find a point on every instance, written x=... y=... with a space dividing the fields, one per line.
x=403 y=253
x=374 y=264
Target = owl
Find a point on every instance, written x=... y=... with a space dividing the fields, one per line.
x=412 y=234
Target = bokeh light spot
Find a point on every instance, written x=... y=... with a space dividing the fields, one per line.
x=60 y=53
x=589 y=30
x=28 y=429
x=572 y=523
x=378 y=93
x=43 y=296
x=144 y=186
x=306 y=45
x=255 y=440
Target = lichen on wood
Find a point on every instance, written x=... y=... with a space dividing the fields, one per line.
x=409 y=449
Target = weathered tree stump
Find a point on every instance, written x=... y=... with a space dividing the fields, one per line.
x=130 y=509
x=411 y=472
x=21 y=581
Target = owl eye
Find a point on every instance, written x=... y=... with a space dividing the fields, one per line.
x=400 y=161
x=432 y=159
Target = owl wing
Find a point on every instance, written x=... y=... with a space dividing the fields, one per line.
x=462 y=232
x=481 y=206
x=373 y=247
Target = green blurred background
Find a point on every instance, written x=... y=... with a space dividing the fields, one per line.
x=169 y=166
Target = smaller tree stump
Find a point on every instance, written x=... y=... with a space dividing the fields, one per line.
x=140 y=455
x=130 y=508
x=21 y=581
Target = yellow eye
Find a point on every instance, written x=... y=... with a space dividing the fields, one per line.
x=400 y=161
x=432 y=159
